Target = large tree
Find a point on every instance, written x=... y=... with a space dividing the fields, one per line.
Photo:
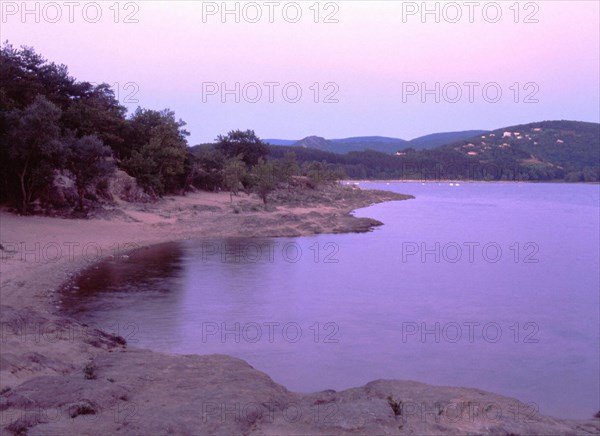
x=265 y=179
x=96 y=111
x=31 y=147
x=245 y=144
x=89 y=160
x=234 y=174
x=158 y=150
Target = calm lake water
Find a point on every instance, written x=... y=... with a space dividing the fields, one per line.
x=494 y=286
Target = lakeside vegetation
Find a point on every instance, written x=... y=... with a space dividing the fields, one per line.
x=53 y=126
x=62 y=141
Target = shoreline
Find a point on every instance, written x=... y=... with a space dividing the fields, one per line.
x=61 y=245
x=535 y=182
x=63 y=352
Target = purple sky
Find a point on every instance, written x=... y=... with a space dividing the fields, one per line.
x=375 y=61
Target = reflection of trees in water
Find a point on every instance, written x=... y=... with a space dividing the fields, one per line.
x=157 y=285
x=233 y=263
x=147 y=269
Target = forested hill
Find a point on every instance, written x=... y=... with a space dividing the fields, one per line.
x=375 y=143
x=542 y=151
x=572 y=146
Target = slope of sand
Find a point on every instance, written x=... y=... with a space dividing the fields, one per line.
x=58 y=376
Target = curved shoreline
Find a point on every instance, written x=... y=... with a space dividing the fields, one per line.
x=63 y=364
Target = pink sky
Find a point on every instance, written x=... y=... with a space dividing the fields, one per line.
x=368 y=54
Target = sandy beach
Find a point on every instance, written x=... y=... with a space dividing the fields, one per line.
x=58 y=376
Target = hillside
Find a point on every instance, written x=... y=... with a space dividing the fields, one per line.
x=347 y=145
x=437 y=139
x=376 y=143
x=571 y=146
x=541 y=151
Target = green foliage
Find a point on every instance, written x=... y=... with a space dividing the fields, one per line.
x=265 y=180
x=234 y=173
x=207 y=165
x=288 y=166
x=97 y=112
x=87 y=158
x=50 y=122
x=158 y=151
x=24 y=75
x=245 y=144
x=29 y=149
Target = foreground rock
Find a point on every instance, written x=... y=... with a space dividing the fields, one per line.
x=138 y=392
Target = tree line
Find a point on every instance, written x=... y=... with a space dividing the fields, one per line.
x=52 y=124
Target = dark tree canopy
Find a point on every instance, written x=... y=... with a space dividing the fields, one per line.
x=30 y=150
x=157 y=150
x=89 y=160
x=51 y=123
x=243 y=143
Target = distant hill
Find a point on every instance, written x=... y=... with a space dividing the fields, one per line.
x=344 y=145
x=280 y=141
x=370 y=139
x=572 y=146
x=437 y=139
x=542 y=151
x=376 y=143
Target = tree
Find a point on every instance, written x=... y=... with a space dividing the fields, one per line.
x=234 y=173
x=87 y=159
x=288 y=166
x=96 y=111
x=245 y=144
x=158 y=150
x=32 y=145
x=208 y=164
x=264 y=179
x=24 y=75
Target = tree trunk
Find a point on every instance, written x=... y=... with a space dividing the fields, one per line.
x=81 y=192
x=24 y=195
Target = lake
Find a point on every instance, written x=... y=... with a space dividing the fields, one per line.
x=487 y=285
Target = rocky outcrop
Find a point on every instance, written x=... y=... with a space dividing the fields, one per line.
x=125 y=187
x=139 y=392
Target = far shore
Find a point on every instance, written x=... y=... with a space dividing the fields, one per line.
x=52 y=366
x=350 y=182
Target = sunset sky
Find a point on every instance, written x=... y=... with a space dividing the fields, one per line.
x=373 y=61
